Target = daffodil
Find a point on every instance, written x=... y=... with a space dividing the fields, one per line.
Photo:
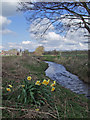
x=8 y=89
x=23 y=85
x=29 y=78
x=53 y=88
x=54 y=82
x=10 y=86
x=37 y=109
x=38 y=83
x=48 y=81
x=45 y=82
x=52 y=85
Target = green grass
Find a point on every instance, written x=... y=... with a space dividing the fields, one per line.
x=64 y=103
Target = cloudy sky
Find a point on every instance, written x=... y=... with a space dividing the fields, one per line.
x=16 y=33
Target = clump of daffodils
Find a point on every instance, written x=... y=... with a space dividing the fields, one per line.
x=45 y=82
x=34 y=92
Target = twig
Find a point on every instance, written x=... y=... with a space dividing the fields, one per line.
x=47 y=113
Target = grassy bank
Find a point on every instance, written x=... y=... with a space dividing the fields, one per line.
x=61 y=103
x=74 y=61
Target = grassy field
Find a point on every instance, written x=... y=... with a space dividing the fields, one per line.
x=61 y=103
x=74 y=61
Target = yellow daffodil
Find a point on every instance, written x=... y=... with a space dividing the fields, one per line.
x=54 y=82
x=48 y=81
x=38 y=83
x=29 y=78
x=23 y=85
x=53 y=88
x=8 y=89
x=52 y=85
x=45 y=82
x=37 y=109
x=10 y=86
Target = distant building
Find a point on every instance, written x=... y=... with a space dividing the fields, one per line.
x=10 y=53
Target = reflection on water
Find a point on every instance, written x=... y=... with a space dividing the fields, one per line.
x=62 y=76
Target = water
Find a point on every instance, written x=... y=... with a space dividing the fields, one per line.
x=66 y=79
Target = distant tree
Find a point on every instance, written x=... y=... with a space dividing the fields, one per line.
x=26 y=52
x=54 y=52
x=39 y=51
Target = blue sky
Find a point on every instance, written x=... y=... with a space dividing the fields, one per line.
x=15 y=33
x=19 y=28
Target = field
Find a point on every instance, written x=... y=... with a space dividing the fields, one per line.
x=61 y=103
x=74 y=61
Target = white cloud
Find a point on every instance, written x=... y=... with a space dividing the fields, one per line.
x=73 y=21
x=4 y=22
x=51 y=40
x=1 y=47
x=73 y=41
x=26 y=42
x=38 y=29
x=6 y=31
x=30 y=45
x=53 y=36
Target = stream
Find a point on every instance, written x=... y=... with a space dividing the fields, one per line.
x=58 y=73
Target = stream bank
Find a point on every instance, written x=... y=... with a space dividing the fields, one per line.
x=66 y=79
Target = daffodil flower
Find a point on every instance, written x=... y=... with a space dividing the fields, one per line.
x=10 y=86
x=8 y=89
x=53 y=88
x=37 y=109
x=48 y=81
x=45 y=82
x=29 y=78
x=23 y=85
x=38 y=83
x=54 y=82
x=52 y=85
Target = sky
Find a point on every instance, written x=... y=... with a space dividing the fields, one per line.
x=16 y=33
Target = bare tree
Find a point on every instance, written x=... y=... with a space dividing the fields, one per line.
x=74 y=14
